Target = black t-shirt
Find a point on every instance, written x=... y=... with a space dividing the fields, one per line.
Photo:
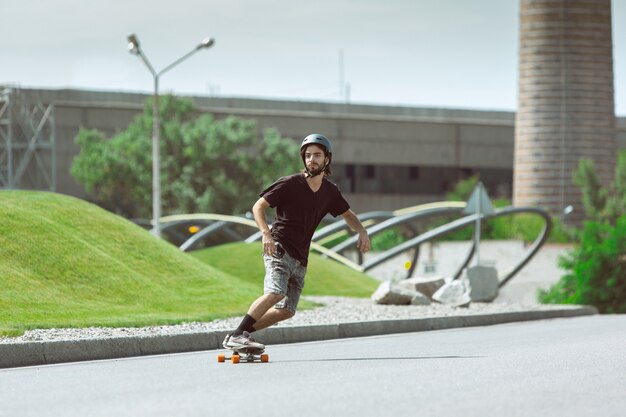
x=299 y=211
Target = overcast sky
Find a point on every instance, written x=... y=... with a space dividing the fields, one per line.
x=435 y=53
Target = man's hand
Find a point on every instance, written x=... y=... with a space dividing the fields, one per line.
x=269 y=246
x=363 y=243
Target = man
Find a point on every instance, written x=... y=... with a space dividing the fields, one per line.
x=301 y=201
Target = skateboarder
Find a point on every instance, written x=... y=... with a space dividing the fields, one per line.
x=301 y=201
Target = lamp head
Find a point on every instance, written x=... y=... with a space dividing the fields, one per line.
x=206 y=43
x=133 y=44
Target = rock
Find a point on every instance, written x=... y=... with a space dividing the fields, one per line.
x=389 y=293
x=454 y=293
x=483 y=282
x=424 y=285
x=420 y=300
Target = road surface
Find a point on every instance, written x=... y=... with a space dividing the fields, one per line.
x=562 y=367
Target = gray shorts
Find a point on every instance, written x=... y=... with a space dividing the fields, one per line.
x=284 y=276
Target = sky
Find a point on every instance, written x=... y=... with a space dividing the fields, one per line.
x=422 y=53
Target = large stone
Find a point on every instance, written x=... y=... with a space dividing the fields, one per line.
x=483 y=282
x=389 y=293
x=424 y=285
x=454 y=293
x=420 y=299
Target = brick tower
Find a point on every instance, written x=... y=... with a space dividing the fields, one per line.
x=565 y=101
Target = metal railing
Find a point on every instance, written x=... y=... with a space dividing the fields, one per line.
x=213 y=223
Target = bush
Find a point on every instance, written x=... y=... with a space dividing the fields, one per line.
x=597 y=269
x=387 y=240
x=380 y=242
x=526 y=227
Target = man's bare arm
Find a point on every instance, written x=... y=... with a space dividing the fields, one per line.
x=354 y=223
x=258 y=210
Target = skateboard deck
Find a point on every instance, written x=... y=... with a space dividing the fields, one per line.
x=246 y=354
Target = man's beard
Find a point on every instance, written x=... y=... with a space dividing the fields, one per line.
x=316 y=170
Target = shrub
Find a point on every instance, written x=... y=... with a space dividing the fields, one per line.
x=597 y=269
x=523 y=226
x=387 y=240
x=379 y=242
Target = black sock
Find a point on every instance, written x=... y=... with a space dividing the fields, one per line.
x=246 y=325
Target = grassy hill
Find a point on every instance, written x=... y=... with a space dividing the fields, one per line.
x=324 y=277
x=67 y=263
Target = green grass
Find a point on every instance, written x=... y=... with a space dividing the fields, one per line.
x=67 y=263
x=324 y=277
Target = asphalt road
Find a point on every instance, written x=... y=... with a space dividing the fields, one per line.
x=563 y=367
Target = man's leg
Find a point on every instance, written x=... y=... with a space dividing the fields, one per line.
x=286 y=307
x=272 y=316
x=257 y=310
x=277 y=283
x=262 y=304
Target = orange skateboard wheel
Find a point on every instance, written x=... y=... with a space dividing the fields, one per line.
x=221 y=358
x=235 y=359
x=265 y=358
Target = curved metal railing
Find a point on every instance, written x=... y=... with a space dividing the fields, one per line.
x=375 y=222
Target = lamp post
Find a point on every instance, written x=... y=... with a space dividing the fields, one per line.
x=135 y=49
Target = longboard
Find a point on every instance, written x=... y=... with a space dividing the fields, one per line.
x=246 y=354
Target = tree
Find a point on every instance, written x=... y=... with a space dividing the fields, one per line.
x=207 y=165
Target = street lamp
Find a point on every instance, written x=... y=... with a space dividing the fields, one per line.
x=135 y=49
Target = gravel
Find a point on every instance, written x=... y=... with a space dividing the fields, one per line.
x=334 y=310
x=519 y=295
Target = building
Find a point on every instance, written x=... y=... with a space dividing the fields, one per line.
x=385 y=157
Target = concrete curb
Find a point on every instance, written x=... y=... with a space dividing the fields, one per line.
x=44 y=353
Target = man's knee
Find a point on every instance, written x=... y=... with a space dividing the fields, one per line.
x=274 y=298
x=287 y=314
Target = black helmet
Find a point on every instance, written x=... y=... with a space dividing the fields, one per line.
x=317 y=139
x=321 y=140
